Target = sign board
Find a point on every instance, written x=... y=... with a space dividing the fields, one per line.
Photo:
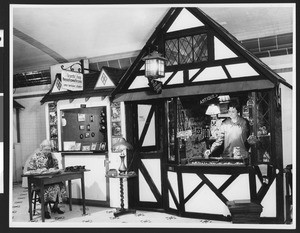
x=71 y=80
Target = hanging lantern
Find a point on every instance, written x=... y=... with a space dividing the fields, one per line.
x=154 y=65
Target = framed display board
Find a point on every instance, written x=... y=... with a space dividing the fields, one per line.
x=84 y=129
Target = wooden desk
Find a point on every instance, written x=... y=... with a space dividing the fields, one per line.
x=41 y=180
x=122 y=210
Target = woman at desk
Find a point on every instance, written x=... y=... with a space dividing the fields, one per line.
x=43 y=161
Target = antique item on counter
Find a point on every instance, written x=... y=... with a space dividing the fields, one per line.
x=236 y=152
x=252 y=139
x=266 y=157
x=81 y=136
x=81 y=127
x=112 y=172
x=74 y=168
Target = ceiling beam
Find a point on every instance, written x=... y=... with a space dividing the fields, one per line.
x=40 y=46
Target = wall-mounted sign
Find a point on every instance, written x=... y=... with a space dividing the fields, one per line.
x=71 y=80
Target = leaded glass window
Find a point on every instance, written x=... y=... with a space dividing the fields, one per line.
x=187 y=49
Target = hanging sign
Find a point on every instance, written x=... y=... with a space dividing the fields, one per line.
x=155 y=85
x=71 y=80
x=207 y=98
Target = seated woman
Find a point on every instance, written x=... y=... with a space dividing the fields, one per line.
x=42 y=161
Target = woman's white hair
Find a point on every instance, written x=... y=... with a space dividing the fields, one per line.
x=45 y=143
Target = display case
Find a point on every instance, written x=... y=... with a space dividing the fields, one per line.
x=260 y=107
x=192 y=130
x=84 y=129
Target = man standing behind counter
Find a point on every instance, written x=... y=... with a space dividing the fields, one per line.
x=234 y=132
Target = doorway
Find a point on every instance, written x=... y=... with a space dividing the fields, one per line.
x=145 y=130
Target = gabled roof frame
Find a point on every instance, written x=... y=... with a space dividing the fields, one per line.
x=221 y=33
x=89 y=88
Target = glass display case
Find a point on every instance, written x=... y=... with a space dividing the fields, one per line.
x=193 y=129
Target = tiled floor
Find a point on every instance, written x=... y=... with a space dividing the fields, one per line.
x=96 y=216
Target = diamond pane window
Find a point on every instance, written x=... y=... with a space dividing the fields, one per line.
x=263 y=126
x=200 y=47
x=187 y=49
x=171 y=52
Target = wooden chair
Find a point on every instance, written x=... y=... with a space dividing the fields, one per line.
x=35 y=199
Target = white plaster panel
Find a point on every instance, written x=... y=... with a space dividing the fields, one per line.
x=206 y=201
x=222 y=51
x=143 y=111
x=177 y=79
x=144 y=190
x=153 y=167
x=211 y=73
x=190 y=182
x=172 y=177
x=269 y=202
x=95 y=180
x=185 y=20
x=234 y=190
x=241 y=70
x=288 y=111
x=139 y=82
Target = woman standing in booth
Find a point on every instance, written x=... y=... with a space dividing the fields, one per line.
x=234 y=132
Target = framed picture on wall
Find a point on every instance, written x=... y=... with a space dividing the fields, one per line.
x=115 y=112
x=81 y=117
x=86 y=148
x=78 y=146
x=94 y=146
x=102 y=146
x=116 y=128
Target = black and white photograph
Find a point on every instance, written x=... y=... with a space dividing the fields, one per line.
x=214 y=148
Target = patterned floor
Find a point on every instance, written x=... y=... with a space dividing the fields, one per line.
x=97 y=216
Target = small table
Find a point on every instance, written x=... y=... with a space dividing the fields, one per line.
x=41 y=180
x=122 y=210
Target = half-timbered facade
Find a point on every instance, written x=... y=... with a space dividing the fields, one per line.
x=204 y=64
